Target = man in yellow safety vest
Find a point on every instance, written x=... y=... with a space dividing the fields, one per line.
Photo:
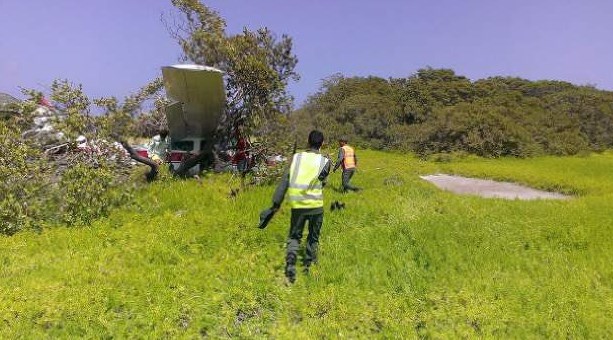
x=349 y=162
x=304 y=184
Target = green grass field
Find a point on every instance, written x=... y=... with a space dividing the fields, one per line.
x=403 y=260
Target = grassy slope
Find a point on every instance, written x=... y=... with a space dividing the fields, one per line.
x=403 y=259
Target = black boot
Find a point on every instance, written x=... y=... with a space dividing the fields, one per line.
x=290 y=268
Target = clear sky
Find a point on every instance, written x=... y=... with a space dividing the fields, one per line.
x=113 y=47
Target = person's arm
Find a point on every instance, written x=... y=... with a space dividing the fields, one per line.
x=279 y=194
x=323 y=175
x=339 y=160
x=355 y=159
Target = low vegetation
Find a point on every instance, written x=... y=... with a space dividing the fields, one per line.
x=402 y=260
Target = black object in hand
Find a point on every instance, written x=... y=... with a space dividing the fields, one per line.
x=337 y=205
x=266 y=216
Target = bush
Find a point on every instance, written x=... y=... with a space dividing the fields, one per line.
x=37 y=190
x=87 y=193
x=21 y=182
x=472 y=128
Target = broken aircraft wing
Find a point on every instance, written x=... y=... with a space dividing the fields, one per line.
x=198 y=100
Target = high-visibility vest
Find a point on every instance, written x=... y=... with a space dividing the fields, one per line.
x=305 y=189
x=349 y=159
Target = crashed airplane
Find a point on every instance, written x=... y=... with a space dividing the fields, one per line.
x=198 y=99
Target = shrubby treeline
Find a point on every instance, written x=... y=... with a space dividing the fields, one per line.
x=437 y=111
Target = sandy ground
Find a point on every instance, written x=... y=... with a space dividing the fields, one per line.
x=489 y=188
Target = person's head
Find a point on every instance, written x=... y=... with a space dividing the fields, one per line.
x=163 y=133
x=342 y=141
x=316 y=139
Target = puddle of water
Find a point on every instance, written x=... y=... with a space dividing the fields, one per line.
x=488 y=188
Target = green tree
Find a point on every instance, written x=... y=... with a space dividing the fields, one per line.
x=429 y=88
x=257 y=65
x=121 y=120
x=74 y=104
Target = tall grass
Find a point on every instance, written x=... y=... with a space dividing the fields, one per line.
x=402 y=260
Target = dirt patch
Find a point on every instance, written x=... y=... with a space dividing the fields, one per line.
x=489 y=188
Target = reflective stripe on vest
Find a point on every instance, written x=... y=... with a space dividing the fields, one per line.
x=349 y=159
x=305 y=190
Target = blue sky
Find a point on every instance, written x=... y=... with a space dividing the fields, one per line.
x=113 y=47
